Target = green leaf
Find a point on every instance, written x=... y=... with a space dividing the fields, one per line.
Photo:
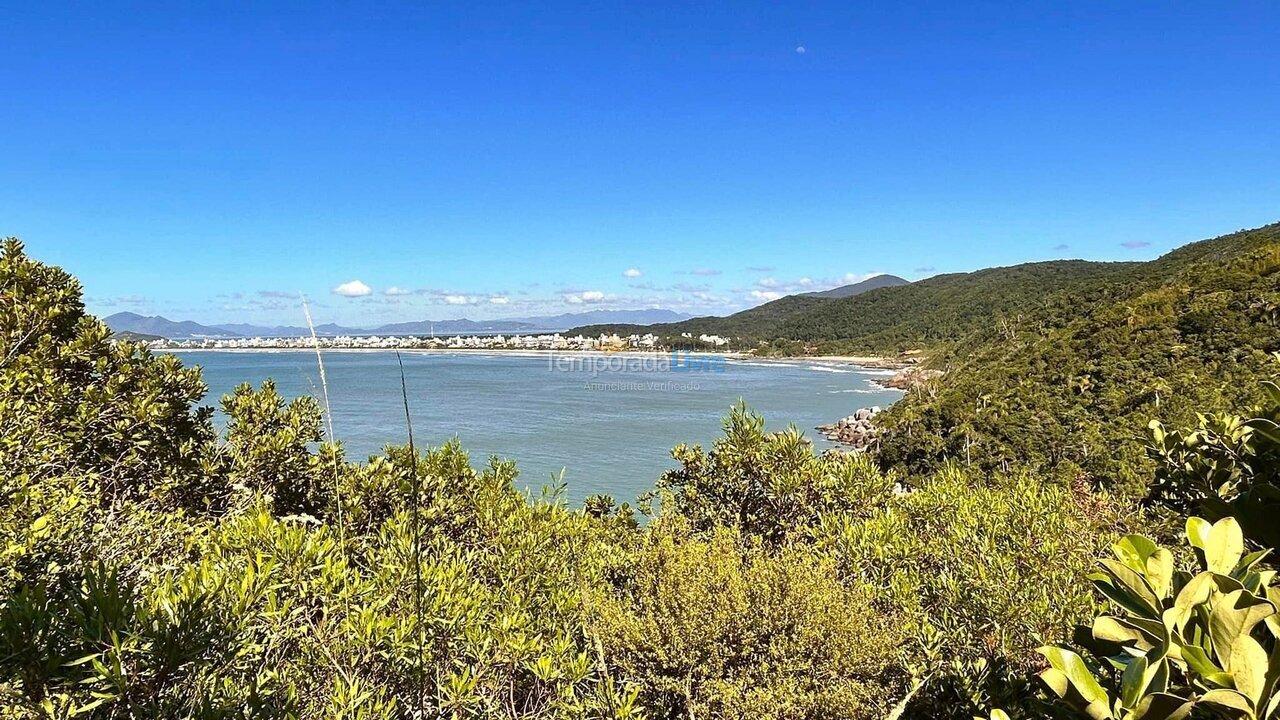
x=1224 y=546
x=1198 y=532
x=1234 y=615
x=1072 y=667
x=1163 y=706
x=1133 y=551
x=1201 y=664
x=1159 y=572
x=1133 y=682
x=1228 y=699
x=1123 y=632
x=1249 y=668
x=1137 y=588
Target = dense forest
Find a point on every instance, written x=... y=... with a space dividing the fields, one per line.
x=978 y=565
x=921 y=315
x=1070 y=387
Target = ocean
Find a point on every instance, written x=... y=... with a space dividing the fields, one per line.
x=607 y=422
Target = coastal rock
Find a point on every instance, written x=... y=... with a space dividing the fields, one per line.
x=911 y=378
x=856 y=430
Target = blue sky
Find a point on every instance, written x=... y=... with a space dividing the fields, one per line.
x=209 y=162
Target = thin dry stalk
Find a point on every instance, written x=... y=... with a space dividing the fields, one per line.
x=416 y=489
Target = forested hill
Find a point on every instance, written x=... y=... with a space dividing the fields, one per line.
x=1066 y=386
x=892 y=319
x=950 y=313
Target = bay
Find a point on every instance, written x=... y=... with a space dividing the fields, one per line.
x=608 y=424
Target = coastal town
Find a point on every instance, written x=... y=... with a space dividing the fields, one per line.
x=551 y=341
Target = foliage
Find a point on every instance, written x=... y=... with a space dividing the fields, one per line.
x=1227 y=466
x=1064 y=391
x=73 y=403
x=769 y=484
x=1183 y=641
x=152 y=568
x=719 y=627
x=980 y=572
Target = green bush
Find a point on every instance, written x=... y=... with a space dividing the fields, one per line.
x=1184 y=643
x=715 y=625
x=1227 y=466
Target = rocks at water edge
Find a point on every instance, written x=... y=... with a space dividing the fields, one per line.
x=857 y=430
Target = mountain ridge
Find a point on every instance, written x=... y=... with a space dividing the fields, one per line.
x=158 y=325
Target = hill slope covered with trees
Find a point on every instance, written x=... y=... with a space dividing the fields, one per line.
x=1066 y=386
x=918 y=315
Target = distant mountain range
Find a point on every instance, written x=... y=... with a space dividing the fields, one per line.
x=157 y=326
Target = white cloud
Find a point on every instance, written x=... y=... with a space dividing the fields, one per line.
x=856 y=278
x=631 y=273
x=765 y=294
x=704 y=272
x=588 y=296
x=805 y=282
x=457 y=299
x=768 y=282
x=394 y=291
x=354 y=288
x=499 y=300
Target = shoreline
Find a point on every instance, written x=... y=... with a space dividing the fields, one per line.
x=865 y=361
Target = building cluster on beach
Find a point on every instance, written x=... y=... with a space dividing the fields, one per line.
x=554 y=341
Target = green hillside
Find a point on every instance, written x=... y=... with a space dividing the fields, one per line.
x=925 y=314
x=1069 y=385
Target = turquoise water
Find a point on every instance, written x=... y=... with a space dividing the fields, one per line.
x=609 y=424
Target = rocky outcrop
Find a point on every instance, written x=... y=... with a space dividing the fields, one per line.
x=911 y=378
x=857 y=430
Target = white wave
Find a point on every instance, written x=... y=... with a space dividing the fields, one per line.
x=827 y=368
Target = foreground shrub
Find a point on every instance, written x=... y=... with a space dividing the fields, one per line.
x=1183 y=643
x=771 y=485
x=1228 y=465
x=979 y=573
x=717 y=626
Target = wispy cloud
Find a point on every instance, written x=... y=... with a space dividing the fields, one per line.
x=352 y=288
x=1062 y=246
x=134 y=300
x=632 y=273
x=499 y=300
x=704 y=272
x=395 y=291
x=458 y=300
x=1135 y=244
x=760 y=269
x=766 y=294
x=278 y=294
x=689 y=288
x=925 y=269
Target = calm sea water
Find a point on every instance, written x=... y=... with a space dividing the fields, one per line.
x=610 y=428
